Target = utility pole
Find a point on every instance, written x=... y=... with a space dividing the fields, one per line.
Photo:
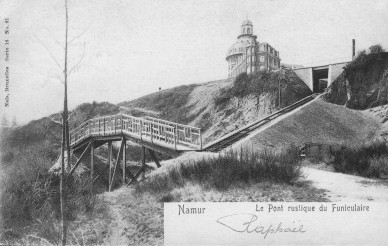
x=65 y=144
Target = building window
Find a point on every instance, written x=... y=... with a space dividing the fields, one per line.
x=261 y=58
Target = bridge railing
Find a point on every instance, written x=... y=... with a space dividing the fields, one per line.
x=147 y=129
x=186 y=135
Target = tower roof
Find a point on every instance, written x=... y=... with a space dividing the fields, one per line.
x=247 y=22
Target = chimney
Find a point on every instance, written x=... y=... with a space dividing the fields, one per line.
x=353 y=48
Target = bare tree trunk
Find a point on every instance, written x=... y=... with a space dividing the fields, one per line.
x=65 y=144
x=63 y=183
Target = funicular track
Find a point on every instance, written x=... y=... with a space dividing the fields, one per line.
x=243 y=132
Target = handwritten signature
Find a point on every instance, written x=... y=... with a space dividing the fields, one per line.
x=248 y=223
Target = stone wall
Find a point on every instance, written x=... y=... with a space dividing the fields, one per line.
x=334 y=71
x=306 y=75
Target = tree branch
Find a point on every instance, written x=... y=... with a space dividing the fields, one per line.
x=60 y=79
x=79 y=35
x=56 y=41
x=48 y=50
x=79 y=61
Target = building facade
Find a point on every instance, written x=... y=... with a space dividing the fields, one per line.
x=248 y=55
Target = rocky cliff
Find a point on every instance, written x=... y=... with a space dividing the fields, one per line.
x=363 y=84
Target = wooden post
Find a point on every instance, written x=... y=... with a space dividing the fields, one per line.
x=141 y=130
x=143 y=161
x=124 y=160
x=122 y=123
x=175 y=136
x=92 y=162
x=114 y=123
x=109 y=162
x=79 y=160
x=104 y=125
x=152 y=134
x=116 y=164
x=99 y=126
x=154 y=157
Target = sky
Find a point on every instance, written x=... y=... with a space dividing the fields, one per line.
x=121 y=50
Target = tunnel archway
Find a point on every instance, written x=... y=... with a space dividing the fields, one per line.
x=320 y=78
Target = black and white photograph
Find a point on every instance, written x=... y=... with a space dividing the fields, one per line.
x=194 y=122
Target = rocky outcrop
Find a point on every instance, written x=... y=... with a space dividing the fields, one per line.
x=363 y=84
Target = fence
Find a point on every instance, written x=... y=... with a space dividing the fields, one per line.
x=147 y=129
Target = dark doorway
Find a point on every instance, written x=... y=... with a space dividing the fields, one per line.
x=319 y=75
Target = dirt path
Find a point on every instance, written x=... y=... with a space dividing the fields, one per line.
x=343 y=187
x=119 y=226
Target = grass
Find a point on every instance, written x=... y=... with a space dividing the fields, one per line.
x=171 y=103
x=30 y=196
x=229 y=169
x=139 y=218
x=368 y=160
x=265 y=82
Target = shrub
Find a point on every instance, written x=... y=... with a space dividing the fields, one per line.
x=230 y=168
x=261 y=82
x=378 y=167
x=30 y=195
x=375 y=49
x=365 y=160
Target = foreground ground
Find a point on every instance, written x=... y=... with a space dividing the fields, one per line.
x=344 y=187
x=138 y=218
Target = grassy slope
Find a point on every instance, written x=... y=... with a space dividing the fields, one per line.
x=318 y=122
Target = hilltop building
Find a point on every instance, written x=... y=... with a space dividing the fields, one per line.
x=248 y=55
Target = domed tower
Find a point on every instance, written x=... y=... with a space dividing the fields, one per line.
x=237 y=52
x=247 y=27
x=247 y=55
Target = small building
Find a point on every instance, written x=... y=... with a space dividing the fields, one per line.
x=248 y=55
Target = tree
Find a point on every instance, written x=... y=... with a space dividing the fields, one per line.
x=375 y=49
x=65 y=146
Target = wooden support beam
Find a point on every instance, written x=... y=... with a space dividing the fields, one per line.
x=143 y=161
x=116 y=164
x=80 y=158
x=133 y=177
x=154 y=157
x=124 y=160
x=109 y=162
x=91 y=162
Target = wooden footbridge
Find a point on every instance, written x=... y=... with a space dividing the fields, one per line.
x=154 y=135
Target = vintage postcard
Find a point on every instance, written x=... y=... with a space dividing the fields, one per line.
x=193 y=122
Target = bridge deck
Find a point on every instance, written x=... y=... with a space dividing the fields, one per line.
x=161 y=133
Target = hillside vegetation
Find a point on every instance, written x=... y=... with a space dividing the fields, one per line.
x=364 y=82
x=219 y=107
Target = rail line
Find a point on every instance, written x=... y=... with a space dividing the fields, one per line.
x=241 y=133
